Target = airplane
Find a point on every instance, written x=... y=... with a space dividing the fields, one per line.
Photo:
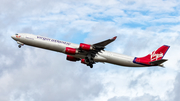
x=90 y=54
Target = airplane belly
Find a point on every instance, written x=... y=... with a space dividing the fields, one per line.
x=123 y=62
x=99 y=58
x=119 y=59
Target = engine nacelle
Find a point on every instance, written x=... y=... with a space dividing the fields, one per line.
x=85 y=47
x=71 y=58
x=72 y=51
x=83 y=61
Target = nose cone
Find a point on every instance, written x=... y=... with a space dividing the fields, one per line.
x=13 y=37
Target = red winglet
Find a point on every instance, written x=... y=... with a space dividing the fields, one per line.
x=114 y=38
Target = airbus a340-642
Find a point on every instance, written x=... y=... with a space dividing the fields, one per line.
x=90 y=54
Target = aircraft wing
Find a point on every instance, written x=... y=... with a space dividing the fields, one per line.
x=90 y=51
x=95 y=48
x=106 y=42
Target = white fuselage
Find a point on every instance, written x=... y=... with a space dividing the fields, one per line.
x=60 y=46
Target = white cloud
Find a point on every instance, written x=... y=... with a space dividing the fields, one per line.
x=145 y=97
x=36 y=81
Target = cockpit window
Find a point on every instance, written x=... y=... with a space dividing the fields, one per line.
x=16 y=34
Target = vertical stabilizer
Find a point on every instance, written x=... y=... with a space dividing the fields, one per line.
x=156 y=55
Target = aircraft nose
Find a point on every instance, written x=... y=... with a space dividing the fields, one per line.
x=13 y=37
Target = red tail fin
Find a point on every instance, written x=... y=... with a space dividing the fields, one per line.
x=154 y=56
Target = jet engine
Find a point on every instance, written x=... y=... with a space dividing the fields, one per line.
x=72 y=51
x=71 y=58
x=86 y=47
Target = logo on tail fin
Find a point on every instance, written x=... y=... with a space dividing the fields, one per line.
x=155 y=56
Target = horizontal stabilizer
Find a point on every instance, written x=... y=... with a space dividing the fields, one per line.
x=158 y=62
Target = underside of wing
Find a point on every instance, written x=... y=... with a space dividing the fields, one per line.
x=106 y=42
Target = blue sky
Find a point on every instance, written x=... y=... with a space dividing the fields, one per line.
x=33 y=74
